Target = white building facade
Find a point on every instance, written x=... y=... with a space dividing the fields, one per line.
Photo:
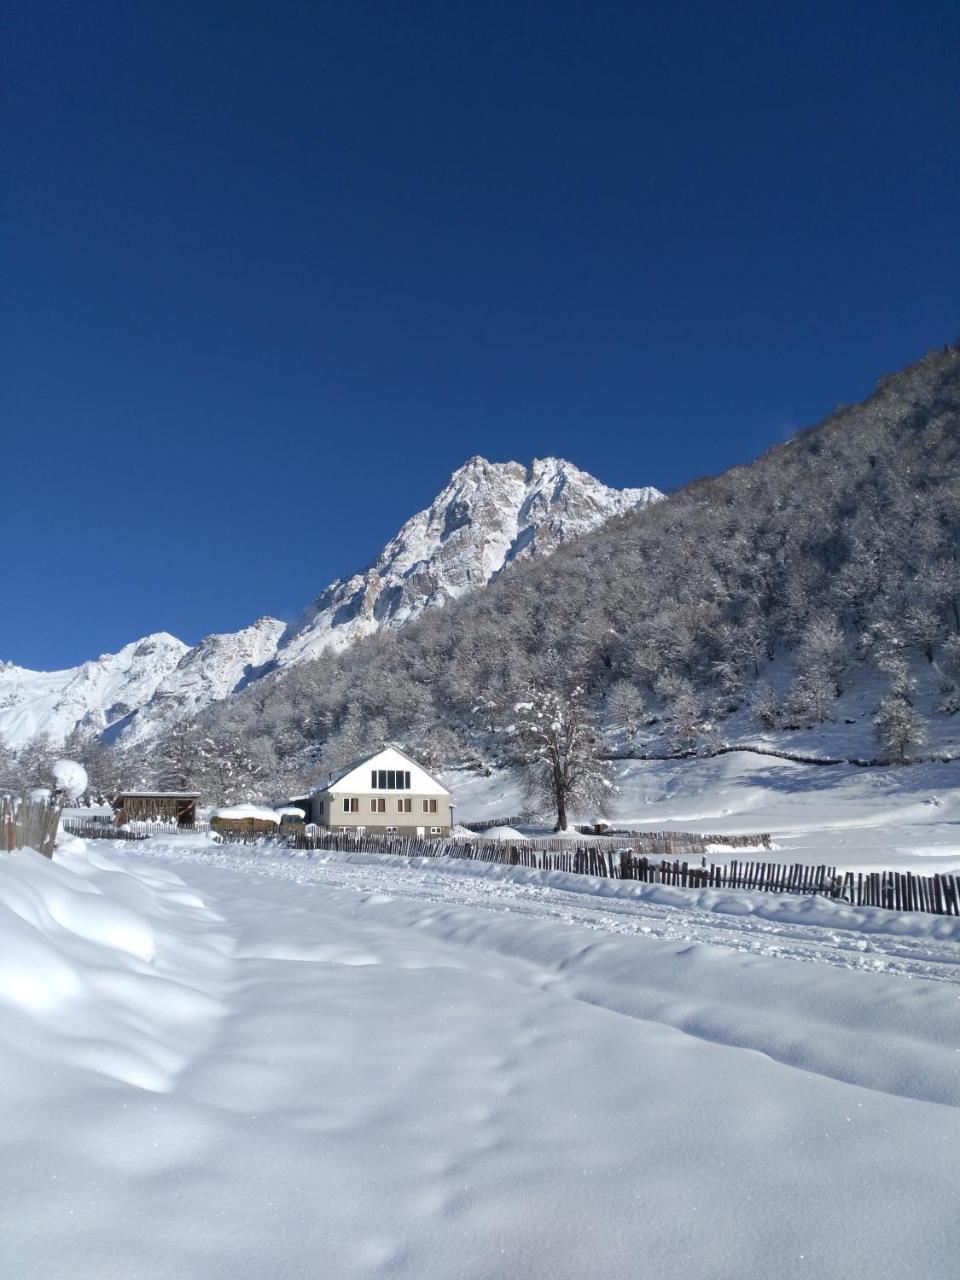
x=386 y=793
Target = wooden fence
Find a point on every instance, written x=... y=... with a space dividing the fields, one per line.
x=894 y=890
x=105 y=829
x=28 y=824
x=648 y=857
x=658 y=842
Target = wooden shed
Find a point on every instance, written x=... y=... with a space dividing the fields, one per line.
x=250 y=820
x=156 y=806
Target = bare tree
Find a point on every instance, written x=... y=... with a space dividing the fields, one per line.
x=558 y=752
x=897 y=728
x=627 y=708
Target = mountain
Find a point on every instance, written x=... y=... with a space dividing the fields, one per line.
x=218 y=666
x=809 y=600
x=488 y=516
x=97 y=694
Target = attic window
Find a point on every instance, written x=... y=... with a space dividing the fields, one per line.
x=390 y=779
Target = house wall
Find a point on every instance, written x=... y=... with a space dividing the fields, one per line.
x=333 y=814
x=358 y=784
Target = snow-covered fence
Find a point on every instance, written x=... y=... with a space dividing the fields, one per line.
x=515 y=820
x=104 y=828
x=662 y=843
x=894 y=890
x=27 y=823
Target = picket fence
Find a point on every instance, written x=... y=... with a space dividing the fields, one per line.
x=104 y=829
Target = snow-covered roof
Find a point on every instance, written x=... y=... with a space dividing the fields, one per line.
x=159 y=795
x=292 y=811
x=242 y=812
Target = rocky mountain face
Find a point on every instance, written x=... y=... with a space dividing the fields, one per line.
x=218 y=666
x=96 y=695
x=488 y=516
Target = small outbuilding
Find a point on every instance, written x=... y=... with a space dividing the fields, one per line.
x=245 y=819
x=156 y=806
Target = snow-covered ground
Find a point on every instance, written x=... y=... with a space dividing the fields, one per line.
x=234 y=1061
x=873 y=818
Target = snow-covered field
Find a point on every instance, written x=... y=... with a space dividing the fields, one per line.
x=240 y=1062
x=860 y=819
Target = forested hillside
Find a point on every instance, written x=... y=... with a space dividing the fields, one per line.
x=835 y=551
x=762 y=592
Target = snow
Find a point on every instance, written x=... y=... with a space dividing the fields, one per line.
x=860 y=819
x=244 y=1062
x=291 y=811
x=70 y=778
x=97 y=693
x=212 y=669
x=502 y=833
x=488 y=515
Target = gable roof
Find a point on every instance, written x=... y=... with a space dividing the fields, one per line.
x=158 y=795
x=370 y=755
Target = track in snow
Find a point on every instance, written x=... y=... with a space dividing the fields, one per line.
x=446 y=883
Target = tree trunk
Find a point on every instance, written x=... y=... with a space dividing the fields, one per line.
x=561 y=811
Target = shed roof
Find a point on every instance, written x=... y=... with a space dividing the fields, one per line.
x=159 y=795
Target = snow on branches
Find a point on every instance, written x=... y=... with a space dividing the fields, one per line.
x=557 y=752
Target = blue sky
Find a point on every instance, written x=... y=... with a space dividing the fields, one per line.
x=271 y=272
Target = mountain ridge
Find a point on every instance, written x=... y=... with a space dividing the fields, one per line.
x=487 y=516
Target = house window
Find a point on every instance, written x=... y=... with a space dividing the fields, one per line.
x=351 y=804
x=378 y=804
x=435 y=831
x=390 y=831
x=405 y=805
x=429 y=806
x=390 y=779
x=319 y=808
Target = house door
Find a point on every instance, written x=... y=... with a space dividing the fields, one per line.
x=421 y=832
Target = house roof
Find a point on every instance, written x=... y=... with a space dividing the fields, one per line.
x=362 y=760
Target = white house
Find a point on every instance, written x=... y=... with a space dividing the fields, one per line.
x=385 y=793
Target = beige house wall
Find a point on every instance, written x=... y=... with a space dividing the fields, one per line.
x=333 y=815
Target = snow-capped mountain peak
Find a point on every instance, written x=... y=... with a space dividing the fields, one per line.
x=96 y=694
x=487 y=516
x=213 y=669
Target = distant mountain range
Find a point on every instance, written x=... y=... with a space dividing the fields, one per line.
x=487 y=517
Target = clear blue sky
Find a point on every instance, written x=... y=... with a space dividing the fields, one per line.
x=272 y=271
